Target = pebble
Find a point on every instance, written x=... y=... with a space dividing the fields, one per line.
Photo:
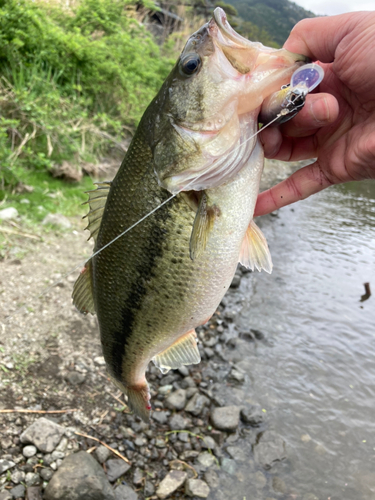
x=18 y=491
x=5 y=495
x=58 y=220
x=208 y=443
x=196 y=488
x=196 y=404
x=124 y=492
x=149 y=489
x=46 y=474
x=190 y=391
x=165 y=389
x=116 y=468
x=237 y=453
x=176 y=400
x=305 y=438
x=34 y=493
x=260 y=480
x=226 y=418
x=32 y=478
x=17 y=476
x=9 y=213
x=138 y=476
x=102 y=454
x=206 y=459
x=161 y=417
x=75 y=378
x=183 y=371
x=5 y=465
x=177 y=422
x=80 y=477
x=172 y=481
x=99 y=360
x=44 y=434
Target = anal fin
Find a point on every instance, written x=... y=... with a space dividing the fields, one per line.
x=255 y=253
x=183 y=352
x=82 y=291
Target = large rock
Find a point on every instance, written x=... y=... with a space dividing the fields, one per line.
x=80 y=477
x=171 y=483
x=269 y=449
x=44 y=434
x=253 y=416
x=226 y=418
x=196 y=488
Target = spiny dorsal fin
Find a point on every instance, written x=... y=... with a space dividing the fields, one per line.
x=183 y=352
x=202 y=227
x=97 y=200
x=254 y=250
x=82 y=291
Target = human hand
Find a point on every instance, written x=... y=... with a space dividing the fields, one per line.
x=336 y=126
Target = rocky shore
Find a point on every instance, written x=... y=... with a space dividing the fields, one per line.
x=206 y=438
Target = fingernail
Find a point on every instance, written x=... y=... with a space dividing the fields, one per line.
x=320 y=110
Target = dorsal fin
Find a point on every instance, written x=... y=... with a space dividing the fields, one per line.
x=82 y=291
x=97 y=200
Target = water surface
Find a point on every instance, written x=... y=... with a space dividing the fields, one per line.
x=315 y=374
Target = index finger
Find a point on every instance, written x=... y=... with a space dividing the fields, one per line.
x=319 y=37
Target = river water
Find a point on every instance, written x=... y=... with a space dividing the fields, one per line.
x=314 y=375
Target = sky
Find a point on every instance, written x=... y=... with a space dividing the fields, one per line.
x=332 y=7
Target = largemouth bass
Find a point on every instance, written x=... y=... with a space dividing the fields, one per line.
x=153 y=286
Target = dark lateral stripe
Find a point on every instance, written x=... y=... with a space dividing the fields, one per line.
x=145 y=270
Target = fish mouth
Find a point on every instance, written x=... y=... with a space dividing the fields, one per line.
x=243 y=54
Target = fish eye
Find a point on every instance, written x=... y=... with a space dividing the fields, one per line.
x=190 y=64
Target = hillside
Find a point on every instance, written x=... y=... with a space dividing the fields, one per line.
x=277 y=17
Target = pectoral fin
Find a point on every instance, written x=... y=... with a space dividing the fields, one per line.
x=255 y=253
x=183 y=352
x=203 y=224
x=82 y=291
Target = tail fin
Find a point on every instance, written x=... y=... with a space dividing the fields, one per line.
x=139 y=400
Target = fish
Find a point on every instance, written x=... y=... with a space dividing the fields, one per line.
x=196 y=158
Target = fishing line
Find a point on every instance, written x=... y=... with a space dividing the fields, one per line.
x=83 y=263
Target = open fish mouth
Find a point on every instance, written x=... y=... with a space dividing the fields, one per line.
x=243 y=54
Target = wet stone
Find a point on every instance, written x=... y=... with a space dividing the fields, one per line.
x=212 y=479
x=18 y=491
x=44 y=434
x=116 y=468
x=102 y=454
x=278 y=485
x=226 y=418
x=124 y=492
x=269 y=449
x=260 y=480
x=237 y=453
x=80 y=477
x=196 y=488
x=253 y=416
x=172 y=481
x=228 y=465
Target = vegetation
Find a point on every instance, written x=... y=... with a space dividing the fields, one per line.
x=74 y=82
